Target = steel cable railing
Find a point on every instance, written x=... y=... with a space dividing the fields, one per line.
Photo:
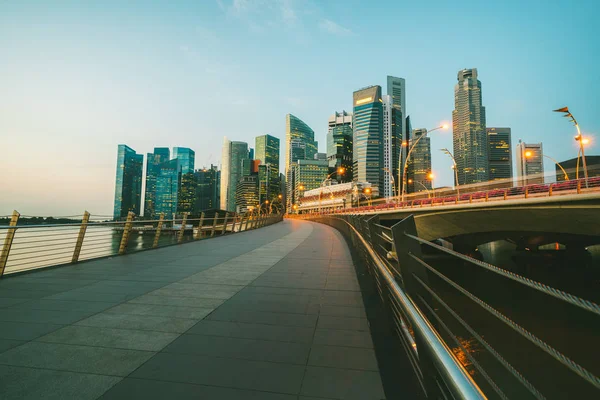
x=398 y=248
x=26 y=247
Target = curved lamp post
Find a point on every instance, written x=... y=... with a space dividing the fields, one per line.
x=446 y=151
x=529 y=154
x=405 y=166
x=578 y=138
x=391 y=180
x=424 y=187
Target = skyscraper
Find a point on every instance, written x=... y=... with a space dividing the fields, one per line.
x=339 y=145
x=499 y=153
x=186 y=158
x=300 y=145
x=392 y=145
x=367 y=124
x=530 y=163
x=307 y=175
x=231 y=171
x=128 y=185
x=208 y=189
x=168 y=183
x=469 y=133
x=419 y=164
x=267 y=151
x=153 y=161
x=398 y=120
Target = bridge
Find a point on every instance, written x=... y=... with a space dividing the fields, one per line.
x=341 y=306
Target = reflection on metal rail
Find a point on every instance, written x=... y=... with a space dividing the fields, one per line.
x=26 y=247
x=427 y=318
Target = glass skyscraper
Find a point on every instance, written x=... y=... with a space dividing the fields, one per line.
x=153 y=161
x=367 y=124
x=128 y=185
x=231 y=171
x=307 y=175
x=419 y=164
x=469 y=133
x=339 y=145
x=396 y=124
x=267 y=152
x=168 y=183
x=186 y=159
x=499 y=153
x=300 y=145
x=530 y=163
x=208 y=189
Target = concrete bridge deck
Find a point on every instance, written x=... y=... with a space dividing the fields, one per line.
x=274 y=313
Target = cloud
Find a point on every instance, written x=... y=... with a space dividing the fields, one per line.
x=329 y=26
x=271 y=12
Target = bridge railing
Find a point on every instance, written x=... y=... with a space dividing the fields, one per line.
x=31 y=246
x=461 y=341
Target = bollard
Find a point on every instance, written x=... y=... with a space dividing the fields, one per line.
x=578 y=187
x=225 y=224
x=126 y=231
x=79 y=243
x=10 y=235
x=487 y=196
x=505 y=194
x=158 y=229
x=214 y=227
x=526 y=191
x=200 y=224
x=550 y=190
x=182 y=230
x=470 y=198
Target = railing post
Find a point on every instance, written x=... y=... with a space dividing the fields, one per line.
x=225 y=224
x=487 y=196
x=10 y=235
x=578 y=187
x=247 y=222
x=79 y=243
x=470 y=198
x=505 y=194
x=182 y=230
x=550 y=190
x=214 y=227
x=235 y=217
x=126 y=231
x=526 y=191
x=158 y=229
x=200 y=224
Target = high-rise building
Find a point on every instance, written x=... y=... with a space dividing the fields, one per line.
x=267 y=152
x=571 y=168
x=300 y=145
x=339 y=145
x=168 y=183
x=321 y=156
x=186 y=158
x=419 y=164
x=208 y=189
x=307 y=175
x=367 y=124
x=231 y=171
x=530 y=163
x=128 y=185
x=398 y=121
x=499 y=153
x=246 y=194
x=392 y=145
x=469 y=133
x=153 y=161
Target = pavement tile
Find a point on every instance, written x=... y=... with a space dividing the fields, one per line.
x=339 y=337
x=6 y=344
x=177 y=301
x=343 y=357
x=346 y=323
x=161 y=310
x=346 y=384
x=43 y=316
x=269 y=318
x=142 y=322
x=253 y=331
x=25 y=330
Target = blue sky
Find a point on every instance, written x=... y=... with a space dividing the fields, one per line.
x=78 y=78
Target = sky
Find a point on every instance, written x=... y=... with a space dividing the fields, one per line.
x=78 y=78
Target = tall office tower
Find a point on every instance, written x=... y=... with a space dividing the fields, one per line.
x=396 y=87
x=307 y=175
x=267 y=152
x=419 y=164
x=530 y=163
x=186 y=159
x=367 y=141
x=231 y=171
x=321 y=156
x=339 y=145
x=207 y=193
x=153 y=161
x=128 y=185
x=469 y=134
x=407 y=137
x=168 y=183
x=499 y=153
x=392 y=145
x=300 y=145
x=246 y=194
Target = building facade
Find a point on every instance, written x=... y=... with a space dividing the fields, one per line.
x=153 y=162
x=231 y=171
x=128 y=183
x=246 y=196
x=339 y=145
x=267 y=153
x=419 y=164
x=396 y=88
x=392 y=145
x=307 y=175
x=208 y=189
x=530 y=163
x=168 y=184
x=186 y=157
x=367 y=141
x=469 y=129
x=499 y=153
x=300 y=145
x=574 y=171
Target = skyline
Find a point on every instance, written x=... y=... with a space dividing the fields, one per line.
x=85 y=83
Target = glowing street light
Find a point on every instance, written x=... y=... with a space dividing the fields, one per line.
x=454 y=167
x=528 y=154
x=580 y=139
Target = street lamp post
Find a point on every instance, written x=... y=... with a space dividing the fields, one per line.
x=529 y=154
x=424 y=187
x=341 y=171
x=454 y=168
x=391 y=180
x=578 y=138
x=405 y=166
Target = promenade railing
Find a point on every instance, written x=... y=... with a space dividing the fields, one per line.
x=464 y=341
x=31 y=246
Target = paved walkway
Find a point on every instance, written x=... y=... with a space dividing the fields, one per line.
x=274 y=313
